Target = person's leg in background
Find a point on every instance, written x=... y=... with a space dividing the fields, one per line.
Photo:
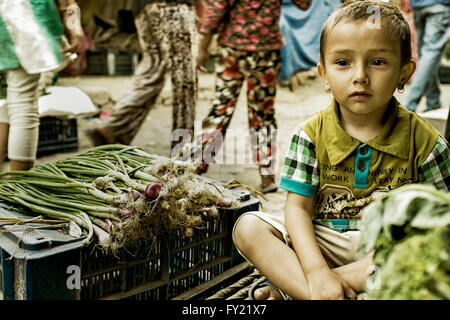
x=261 y=93
x=181 y=33
x=131 y=110
x=229 y=81
x=433 y=92
x=432 y=25
x=22 y=132
x=437 y=25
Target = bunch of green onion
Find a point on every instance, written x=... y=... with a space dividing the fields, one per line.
x=90 y=189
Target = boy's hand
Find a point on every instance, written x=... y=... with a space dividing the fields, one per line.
x=325 y=284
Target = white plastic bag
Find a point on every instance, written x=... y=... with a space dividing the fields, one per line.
x=65 y=101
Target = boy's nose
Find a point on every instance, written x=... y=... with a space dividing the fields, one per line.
x=360 y=75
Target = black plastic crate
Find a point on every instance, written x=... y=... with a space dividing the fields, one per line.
x=124 y=62
x=111 y=62
x=179 y=263
x=143 y=272
x=444 y=73
x=2 y=85
x=209 y=252
x=107 y=276
x=205 y=246
x=57 y=135
x=97 y=62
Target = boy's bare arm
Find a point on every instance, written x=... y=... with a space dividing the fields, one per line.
x=323 y=283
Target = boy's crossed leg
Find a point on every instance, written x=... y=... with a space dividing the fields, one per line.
x=264 y=245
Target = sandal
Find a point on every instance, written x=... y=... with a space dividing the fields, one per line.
x=268 y=184
x=202 y=168
x=97 y=138
x=251 y=292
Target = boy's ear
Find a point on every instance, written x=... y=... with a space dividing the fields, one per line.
x=322 y=73
x=407 y=71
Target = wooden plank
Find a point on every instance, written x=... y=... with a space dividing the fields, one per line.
x=183 y=273
x=216 y=281
x=137 y=290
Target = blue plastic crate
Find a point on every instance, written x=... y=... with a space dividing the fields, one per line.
x=34 y=263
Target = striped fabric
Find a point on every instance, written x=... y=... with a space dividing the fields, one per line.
x=30 y=35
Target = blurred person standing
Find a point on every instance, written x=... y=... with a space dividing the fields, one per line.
x=31 y=37
x=249 y=48
x=167 y=31
x=432 y=22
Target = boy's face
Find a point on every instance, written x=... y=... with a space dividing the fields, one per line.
x=362 y=67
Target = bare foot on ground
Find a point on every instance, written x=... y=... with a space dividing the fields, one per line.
x=267 y=293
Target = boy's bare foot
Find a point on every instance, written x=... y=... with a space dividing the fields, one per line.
x=267 y=293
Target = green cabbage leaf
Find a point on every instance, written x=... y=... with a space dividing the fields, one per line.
x=408 y=229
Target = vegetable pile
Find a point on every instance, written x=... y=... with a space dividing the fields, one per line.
x=409 y=230
x=119 y=193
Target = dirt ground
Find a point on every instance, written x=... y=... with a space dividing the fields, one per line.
x=292 y=108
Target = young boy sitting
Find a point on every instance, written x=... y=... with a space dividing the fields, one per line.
x=362 y=145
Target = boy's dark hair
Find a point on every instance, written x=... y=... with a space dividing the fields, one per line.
x=391 y=19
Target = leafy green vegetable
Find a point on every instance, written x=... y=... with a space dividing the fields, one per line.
x=417 y=268
x=409 y=230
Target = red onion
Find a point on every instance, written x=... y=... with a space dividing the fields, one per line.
x=152 y=190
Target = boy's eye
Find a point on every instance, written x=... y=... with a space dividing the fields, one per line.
x=341 y=62
x=378 y=62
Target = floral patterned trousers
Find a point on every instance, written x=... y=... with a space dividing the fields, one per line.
x=260 y=70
